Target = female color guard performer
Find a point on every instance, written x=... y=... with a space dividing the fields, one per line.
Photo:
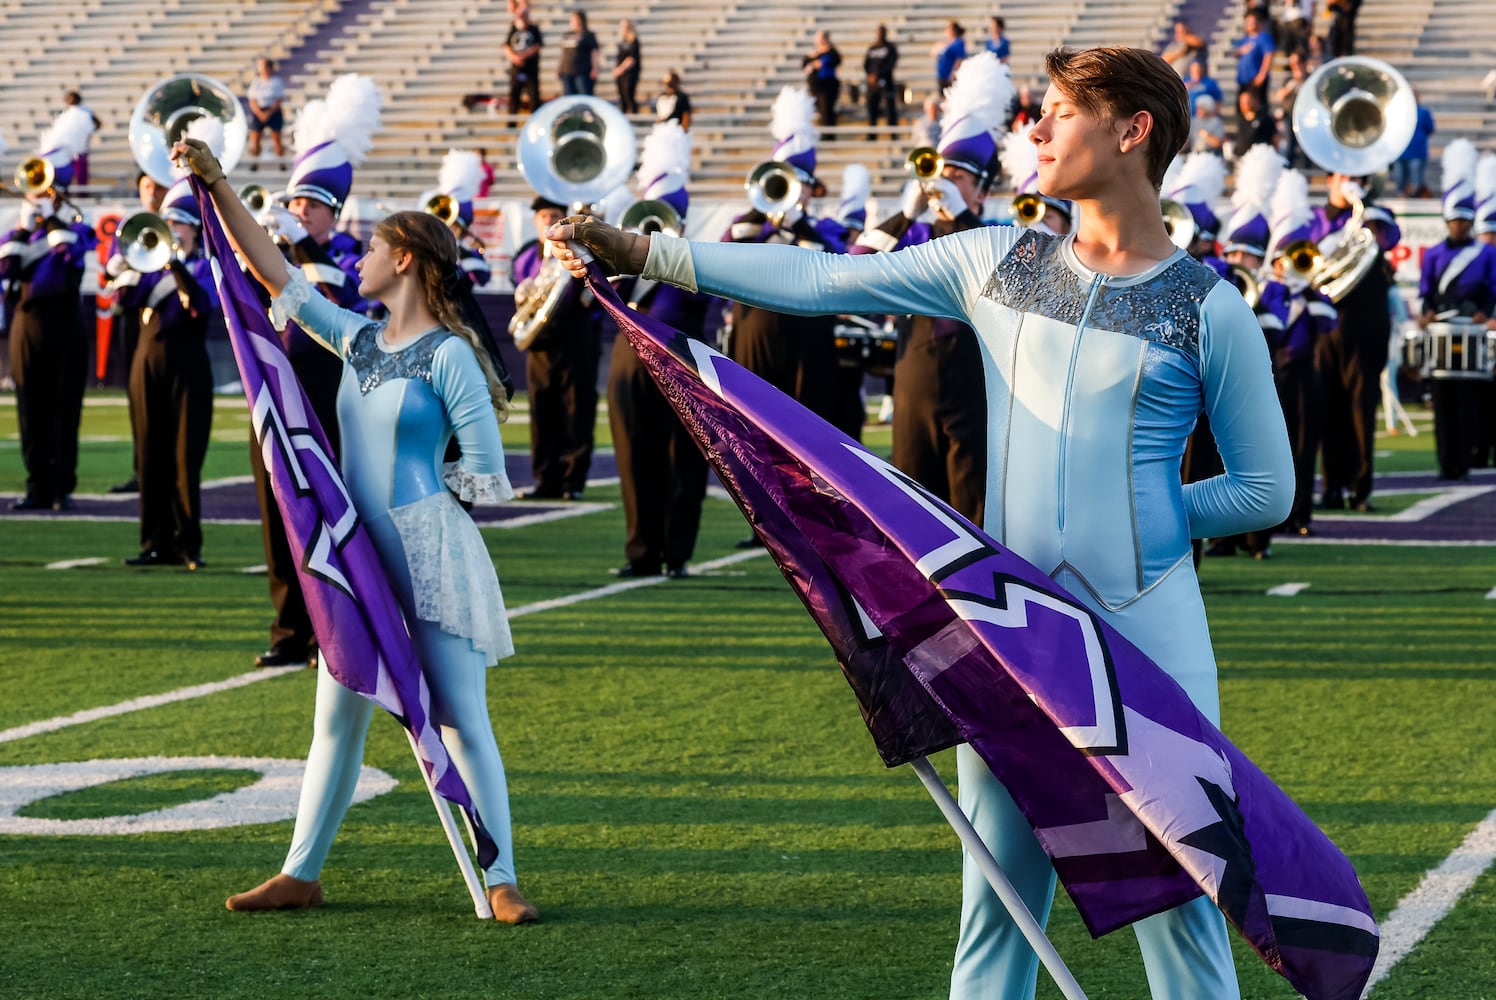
x=1099 y=351
x=409 y=384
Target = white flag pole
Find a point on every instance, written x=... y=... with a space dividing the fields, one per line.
x=459 y=850
x=1005 y=891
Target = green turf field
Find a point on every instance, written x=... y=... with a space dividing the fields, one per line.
x=698 y=810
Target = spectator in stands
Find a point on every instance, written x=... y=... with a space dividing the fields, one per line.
x=1407 y=174
x=1254 y=56
x=948 y=53
x=626 y=64
x=1253 y=124
x=1293 y=32
x=820 y=78
x=1185 y=49
x=1026 y=109
x=1199 y=83
x=1207 y=131
x=522 y=48
x=266 y=94
x=579 y=57
x=997 y=42
x=73 y=99
x=1283 y=100
x=882 y=91
x=1342 y=35
x=926 y=130
x=674 y=105
x=485 y=185
x=1316 y=57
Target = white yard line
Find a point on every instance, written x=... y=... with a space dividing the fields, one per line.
x=75 y=563
x=1491 y=594
x=265 y=673
x=1446 y=496
x=1441 y=888
x=1287 y=589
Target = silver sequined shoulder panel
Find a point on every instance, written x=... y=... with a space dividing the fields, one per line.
x=1034 y=278
x=375 y=367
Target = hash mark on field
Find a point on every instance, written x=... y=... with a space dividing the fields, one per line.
x=136 y=704
x=1441 y=888
x=1287 y=589
x=75 y=563
x=627 y=585
x=1491 y=594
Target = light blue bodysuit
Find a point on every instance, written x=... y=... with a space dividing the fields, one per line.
x=1093 y=383
x=397 y=410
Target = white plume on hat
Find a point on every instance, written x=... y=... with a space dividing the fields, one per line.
x=1289 y=208
x=1020 y=157
x=460 y=175
x=349 y=115
x=68 y=132
x=1257 y=174
x=1485 y=178
x=857 y=183
x=1459 y=163
x=1202 y=178
x=982 y=90
x=208 y=130
x=794 y=112
x=666 y=148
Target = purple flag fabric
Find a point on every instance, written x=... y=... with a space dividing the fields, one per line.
x=360 y=631
x=946 y=636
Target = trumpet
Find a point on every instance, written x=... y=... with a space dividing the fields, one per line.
x=1028 y=209
x=36 y=178
x=924 y=164
x=1246 y=282
x=254 y=197
x=146 y=242
x=774 y=188
x=445 y=208
x=1303 y=259
x=651 y=216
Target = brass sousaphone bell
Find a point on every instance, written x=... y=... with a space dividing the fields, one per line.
x=163 y=114
x=1353 y=116
x=573 y=151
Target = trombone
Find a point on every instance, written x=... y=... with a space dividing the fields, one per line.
x=445 y=208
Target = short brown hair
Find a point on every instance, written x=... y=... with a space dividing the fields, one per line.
x=1114 y=82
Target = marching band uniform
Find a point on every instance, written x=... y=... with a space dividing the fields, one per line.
x=1351 y=358
x=795 y=354
x=171 y=390
x=323 y=171
x=42 y=260
x=662 y=473
x=561 y=376
x=940 y=396
x=844 y=228
x=1485 y=230
x=1458 y=275
x=1294 y=318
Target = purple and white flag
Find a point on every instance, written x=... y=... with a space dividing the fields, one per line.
x=946 y=636
x=360 y=631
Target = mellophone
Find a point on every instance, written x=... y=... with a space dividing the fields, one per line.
x=1452 y=349
x=862 y=343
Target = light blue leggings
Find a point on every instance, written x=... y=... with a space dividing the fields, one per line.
x=1186 y=951
x=457 y=676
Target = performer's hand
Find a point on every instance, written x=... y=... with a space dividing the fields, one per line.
x=280 y=222
x=618 y=251
x=791 y=217
x=195 y=155
x=914 y=200
x=29 y=213
x=945 y=192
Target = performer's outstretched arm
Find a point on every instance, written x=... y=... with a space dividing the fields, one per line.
x=264 y=258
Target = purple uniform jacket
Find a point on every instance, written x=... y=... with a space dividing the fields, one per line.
x=173 y=304
x=59 y=271
x=332 y=268
x=1326 y=223
x=1293 y=322
x=474 y=267
x=1474 y=287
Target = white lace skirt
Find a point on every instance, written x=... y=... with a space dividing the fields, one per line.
x=451 y=575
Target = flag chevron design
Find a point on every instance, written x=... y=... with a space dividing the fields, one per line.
x=946 y=636
x=358 y=622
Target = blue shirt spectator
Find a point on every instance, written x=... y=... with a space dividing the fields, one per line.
x=1203 y=86
x=997 y=42
x=1254 y=56
x=949 y=53
x=1408 y=174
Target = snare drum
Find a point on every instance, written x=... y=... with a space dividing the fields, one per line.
x=1414 y=351
x=1458 y=350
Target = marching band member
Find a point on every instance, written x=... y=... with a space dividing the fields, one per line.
x=1351 y=360
x=661 y=473
x=42 y=261
x=560 y=373
x=795 y=354
x=1099 y=351
x=171 y=385
x=1294 y=317
x=332 y=136
x=1458 y=278
x=940 y=398
x=1485 y=230
x=847 y=223
x=461 y=174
